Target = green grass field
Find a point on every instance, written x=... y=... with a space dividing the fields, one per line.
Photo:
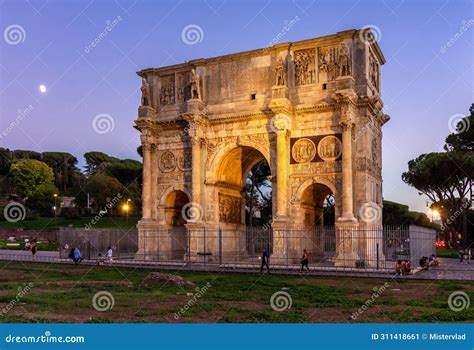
x=446 y=253
x=52 y=223
x=17 y=245
x=64 y=293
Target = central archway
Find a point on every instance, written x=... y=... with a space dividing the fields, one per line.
x=244 y=200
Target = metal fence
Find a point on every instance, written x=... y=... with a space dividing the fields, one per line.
x=93 y=242
x=369 y=248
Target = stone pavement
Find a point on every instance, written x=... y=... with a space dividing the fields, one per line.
x=449 y=269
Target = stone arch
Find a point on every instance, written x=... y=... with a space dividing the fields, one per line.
x=228 y=147
x=167 y=192
x=311 y=181
x=309 y=199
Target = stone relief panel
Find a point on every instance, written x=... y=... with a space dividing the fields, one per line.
x=330 y=148
x=327 y=167
x=229 y=209
x=183 y=90
x=334 y=62
x=368 y=165
x=305 y=67
x=374 y=72
x=303 y=150
x=167 y=93
x=297 y=181
x=318 y=148
x=167 y=162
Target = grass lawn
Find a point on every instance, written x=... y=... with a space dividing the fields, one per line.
x=446 y=253
x=17 y=245
x=52 y=223
x=64 y=293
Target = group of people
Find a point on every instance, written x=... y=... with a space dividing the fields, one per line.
x=75 y=255
x=427 y=262
x=464 y=256
x=403 y=267
x=266 y=261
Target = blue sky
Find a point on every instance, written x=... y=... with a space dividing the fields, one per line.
x=423 y=86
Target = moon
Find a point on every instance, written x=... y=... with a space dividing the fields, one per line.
x=42 y=88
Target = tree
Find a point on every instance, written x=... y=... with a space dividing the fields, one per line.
x=28 y=174
x=42 y=199
x=443 y=177
x=259 y=194
x=64 y=167
x=25 y=154
x=463 y=138
x=102 y=189
x=6 y=158
x=96 y=161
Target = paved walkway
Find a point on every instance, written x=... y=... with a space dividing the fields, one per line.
x=449 y=269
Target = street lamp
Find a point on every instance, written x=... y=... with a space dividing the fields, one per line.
x=55 y=204
x=126 y=207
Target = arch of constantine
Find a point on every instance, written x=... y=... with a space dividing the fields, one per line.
x=311 y=109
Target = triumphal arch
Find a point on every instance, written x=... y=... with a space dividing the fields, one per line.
x=312 y=109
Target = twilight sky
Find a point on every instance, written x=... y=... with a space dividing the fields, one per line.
x=425 y=84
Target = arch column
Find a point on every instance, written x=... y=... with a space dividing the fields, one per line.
x=347 y=172
x=147 y=178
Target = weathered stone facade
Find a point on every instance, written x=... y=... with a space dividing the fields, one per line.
x=311 y=108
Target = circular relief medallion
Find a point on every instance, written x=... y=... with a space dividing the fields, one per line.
x=167 y=161
x=303 y=150
x=184 y=162
x=330 y=148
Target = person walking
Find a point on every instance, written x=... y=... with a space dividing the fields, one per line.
x=34 y=249
x=76 y=255
x=265 y=261
x=109 y=254
x=304 y=260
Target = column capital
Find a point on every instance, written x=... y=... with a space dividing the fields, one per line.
x=281 y=124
